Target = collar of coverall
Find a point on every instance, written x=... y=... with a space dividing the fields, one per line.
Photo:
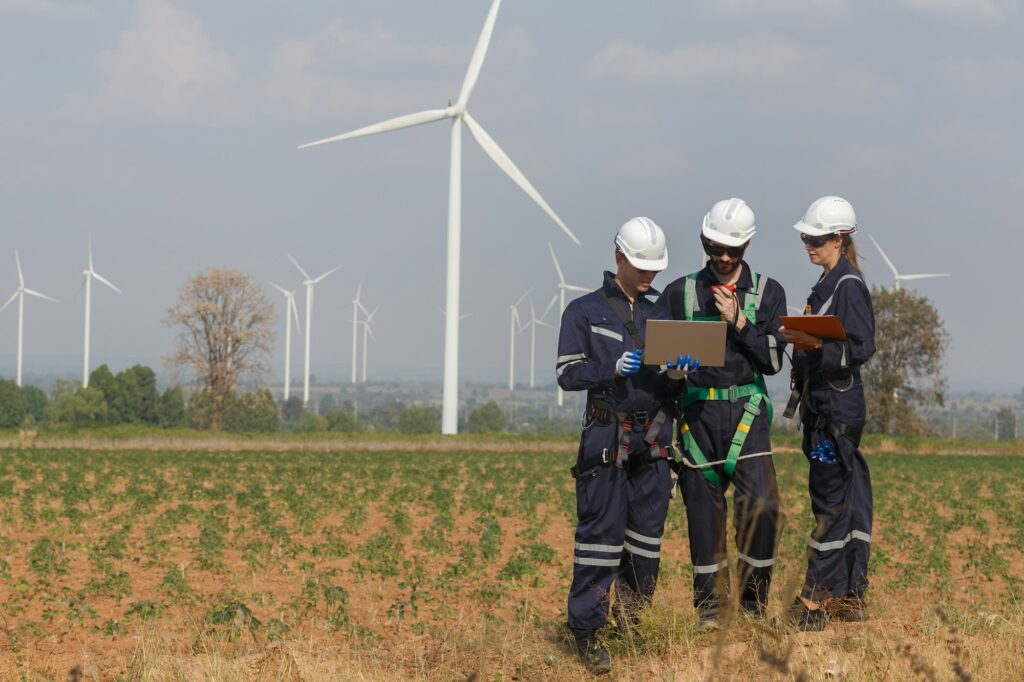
x=613 y=288
x=746 y=281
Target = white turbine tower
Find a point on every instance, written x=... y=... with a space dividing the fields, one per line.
x=290 y=311
x=356 y=307
x=367 y=335
x=562 y=288
x=532 y=324
x=515 y=327
x=309 y=282
x=458 y=114
x=90 y=273
x=896 y=275
x=20 y=295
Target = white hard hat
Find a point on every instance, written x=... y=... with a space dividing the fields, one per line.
x=729 y=222
x=828 y=215
x=642 y=242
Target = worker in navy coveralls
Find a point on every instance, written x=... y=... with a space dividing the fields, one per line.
x=623 y=479
x=828 y=386
x=725 y=423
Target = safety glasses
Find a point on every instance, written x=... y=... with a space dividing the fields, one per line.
x=816 y=242
x=718 y=250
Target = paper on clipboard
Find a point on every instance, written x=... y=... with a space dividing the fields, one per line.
x=822 y=326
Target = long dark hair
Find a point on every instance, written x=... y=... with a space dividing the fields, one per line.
x=849 y=249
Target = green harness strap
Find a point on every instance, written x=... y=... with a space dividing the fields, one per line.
x=756 y=392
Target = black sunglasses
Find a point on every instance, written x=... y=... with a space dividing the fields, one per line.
x=718 y=250
x=816 y=242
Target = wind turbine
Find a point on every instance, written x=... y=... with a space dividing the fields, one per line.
x=356 y=307
x=532 y=324
x=562 y=288
x=90 y=273
x=20 y=295
x=290 y=310
x=367 y=332
x=896 y=275
x=309 y=282
x=515 y=327
x=458 y=114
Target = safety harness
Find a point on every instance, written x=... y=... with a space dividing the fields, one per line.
x=756 y=392
x=604 y=412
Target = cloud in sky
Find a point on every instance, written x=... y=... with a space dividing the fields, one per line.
x=760 y=60
x=165 y=66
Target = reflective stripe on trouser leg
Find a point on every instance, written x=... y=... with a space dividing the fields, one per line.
x=600 y=543
x=756 y=517
x=648 y=490
x=840 y=544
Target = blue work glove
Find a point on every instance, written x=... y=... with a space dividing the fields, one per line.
x=681 y=367
x=630 y=363
x=825 y=452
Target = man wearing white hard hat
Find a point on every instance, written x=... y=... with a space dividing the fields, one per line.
x=827 y=387
x=726 y=416
x=623 y=479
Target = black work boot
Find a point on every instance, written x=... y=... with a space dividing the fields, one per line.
x=804 y=619
x=708 y=618
x=849 y=608
x=594 y=656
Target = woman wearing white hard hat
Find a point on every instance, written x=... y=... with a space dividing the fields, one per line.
x=828 y=388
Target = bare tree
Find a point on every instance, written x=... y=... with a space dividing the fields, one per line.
x=226 y=331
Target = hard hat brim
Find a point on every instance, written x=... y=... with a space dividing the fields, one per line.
x=722 y=238
x=649 y=265
x=811 y=230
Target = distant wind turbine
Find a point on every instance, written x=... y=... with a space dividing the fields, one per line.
x=515 y=327
x=90 y=273
x=458 y=114
x=309 y=282
x=367 y=335
x=562 y=288
x=290 y=311
x=896 y=275
x=532 y=324
x=20 y=295
x=357 y=306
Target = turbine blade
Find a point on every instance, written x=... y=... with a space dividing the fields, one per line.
x=295 y=313
x=363 y=308
x=542 y=323
x=101 y=279
x=359 y=291
x=407 y=121
x=533 y=312
x=9 y=301
x=527 y=293
x=926 y=276
x=554 y=300
x=370 y=318
x=573 y=287
x=17 y=261
x=505 y=163
x=329 y=272
x=90 y=254
x=884 y=257
x=281 y=289
x=30 y=292
x=296 y=264
x=561 y=277
x=479 y=52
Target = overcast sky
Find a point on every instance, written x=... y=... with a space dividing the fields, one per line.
x=167 y=131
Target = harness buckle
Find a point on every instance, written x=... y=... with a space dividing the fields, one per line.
x=749 y=407
x=605 y=459
x=734 y=393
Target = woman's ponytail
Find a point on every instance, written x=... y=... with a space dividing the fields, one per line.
x=849 y=249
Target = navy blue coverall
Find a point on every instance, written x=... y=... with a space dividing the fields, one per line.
x=713 y=424
x=621 y=507
x=833 y=403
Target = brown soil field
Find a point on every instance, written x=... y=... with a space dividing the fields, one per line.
x=454 y=565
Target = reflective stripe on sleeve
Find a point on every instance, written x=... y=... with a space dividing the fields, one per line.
x=633 y=549
x=773 y=352
x=642 y=538
x=607 y=549
x=606 y=332
x=839 y=544
x=562 y=368
x=587 y=561
x=756 y=563
x=567 y=358
x=710 y=568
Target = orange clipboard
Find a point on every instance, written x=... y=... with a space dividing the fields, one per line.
x=822 y=326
